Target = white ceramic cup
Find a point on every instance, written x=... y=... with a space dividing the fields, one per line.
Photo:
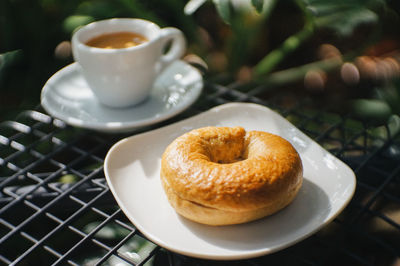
x=124 y=77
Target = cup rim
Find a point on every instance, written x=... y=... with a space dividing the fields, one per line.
x=87 y=27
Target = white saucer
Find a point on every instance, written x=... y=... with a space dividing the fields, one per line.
x=67 y=97
x=132 y=170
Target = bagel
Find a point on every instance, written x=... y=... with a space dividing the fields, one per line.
x=225 y=175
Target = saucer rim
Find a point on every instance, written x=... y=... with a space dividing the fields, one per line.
x=118 y=127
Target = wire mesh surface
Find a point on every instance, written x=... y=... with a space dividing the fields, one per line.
x=56 y=208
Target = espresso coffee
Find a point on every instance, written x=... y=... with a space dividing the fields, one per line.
x=129 y=72
x=116 y=40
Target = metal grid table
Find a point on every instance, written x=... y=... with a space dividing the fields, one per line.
x=56 y=208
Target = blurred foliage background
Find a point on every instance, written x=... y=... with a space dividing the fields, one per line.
x=344 y=52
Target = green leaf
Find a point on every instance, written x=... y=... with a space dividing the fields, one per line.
x=394 y=125
x=10 y=58
x=387 y=131
x=346 y=21
x=75 y=21
x=339 y=15
x=224 y=10
x=99 y=9
x=68 y=179
x=192 y=6
x=389 y=94
x=373 y=111
x=258 y=5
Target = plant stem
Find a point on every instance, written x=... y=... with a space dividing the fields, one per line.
x=246 y=31
x=268 y=8
x=270 y=61
x=295 y=74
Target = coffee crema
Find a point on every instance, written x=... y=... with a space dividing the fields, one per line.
x=117 y=40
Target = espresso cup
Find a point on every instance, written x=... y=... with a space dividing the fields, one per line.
x=122 y=77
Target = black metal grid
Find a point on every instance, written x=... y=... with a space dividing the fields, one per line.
x=56 y=209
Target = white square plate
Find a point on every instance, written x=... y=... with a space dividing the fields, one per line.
x=132 y=169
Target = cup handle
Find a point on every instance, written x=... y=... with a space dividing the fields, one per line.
x=177 y=49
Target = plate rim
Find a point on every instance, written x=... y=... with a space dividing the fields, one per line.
x=114 y=128
x=248 y=255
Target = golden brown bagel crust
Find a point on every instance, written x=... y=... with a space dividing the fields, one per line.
x=223 y=175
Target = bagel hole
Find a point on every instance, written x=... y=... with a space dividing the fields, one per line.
x=234 y=160
x=227 y=148
x=231 y=156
